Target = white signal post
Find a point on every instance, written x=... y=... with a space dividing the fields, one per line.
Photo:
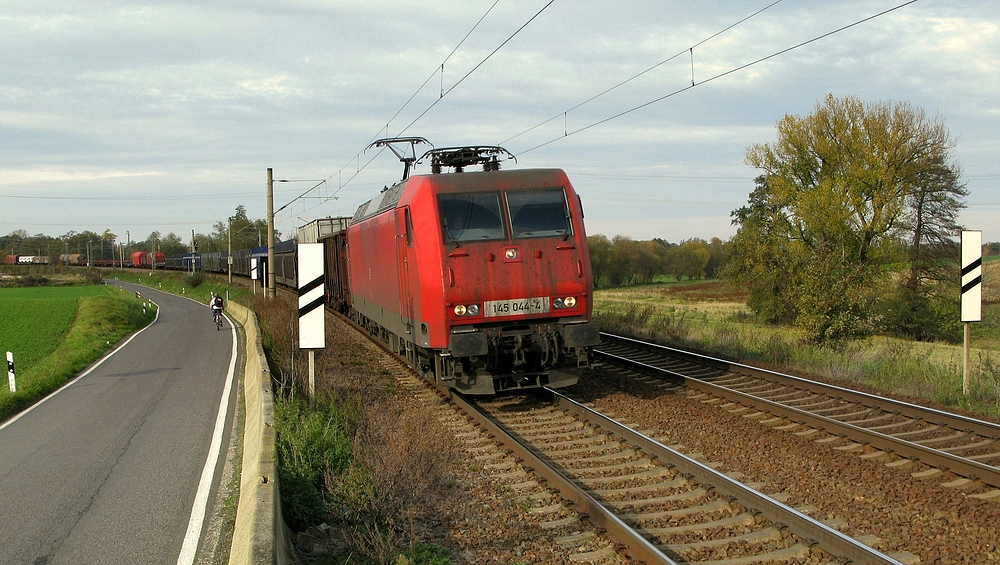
x=972 y=292
x=10 y=372
x=312 y=298
x=253 y=274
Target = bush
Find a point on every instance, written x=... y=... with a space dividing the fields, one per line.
x=32 y=280
x=921 y=316
x=195 y=279
x=94 y=276
x=645 y=322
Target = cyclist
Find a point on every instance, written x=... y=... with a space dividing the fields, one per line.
x=217 y=306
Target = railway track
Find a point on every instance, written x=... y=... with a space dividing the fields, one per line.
x=664 y=506
x=876 y=427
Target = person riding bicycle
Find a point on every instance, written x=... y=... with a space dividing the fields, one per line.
x=217 y=306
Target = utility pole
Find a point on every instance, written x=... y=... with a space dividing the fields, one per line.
x=271 y=279
x=229 y=255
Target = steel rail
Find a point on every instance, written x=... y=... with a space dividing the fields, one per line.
x=956 y=421
x=910 y=450
x=806 y=527
x=636 y=545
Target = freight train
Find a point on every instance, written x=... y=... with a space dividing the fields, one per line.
x=480 y=280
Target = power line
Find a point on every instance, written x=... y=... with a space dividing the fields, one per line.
x=635 y=76
x=720 y=75
x=440 y=68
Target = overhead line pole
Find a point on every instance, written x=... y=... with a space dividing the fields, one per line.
x=271 y=280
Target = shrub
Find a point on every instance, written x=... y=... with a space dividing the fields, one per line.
x=913 y=314
x=195 y=279
x=396 y=474
x=94 y=276
x=32 y=280
x=640 y=321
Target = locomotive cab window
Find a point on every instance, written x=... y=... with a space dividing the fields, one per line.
x=539 y=213
x=470 y=217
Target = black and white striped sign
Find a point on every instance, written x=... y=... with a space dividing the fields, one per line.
x=10 y=372
x=312 y=297
x=972 y=276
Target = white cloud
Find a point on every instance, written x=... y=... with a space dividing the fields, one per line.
x=187 y=97
x=48 y=175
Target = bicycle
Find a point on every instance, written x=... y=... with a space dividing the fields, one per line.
x=217 y=315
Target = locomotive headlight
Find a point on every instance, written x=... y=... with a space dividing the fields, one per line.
x=567 y=302
x=467 y=310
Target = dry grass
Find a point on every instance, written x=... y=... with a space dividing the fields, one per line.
x=398 y=469
x=713 y=325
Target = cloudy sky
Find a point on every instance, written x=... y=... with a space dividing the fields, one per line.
x=143 y=116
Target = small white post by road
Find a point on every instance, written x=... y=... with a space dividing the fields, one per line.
x=972 y=292
x=312 y=298
x=10 y=371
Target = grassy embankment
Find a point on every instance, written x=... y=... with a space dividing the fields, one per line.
x=198 y=286
x=55 y=332
x=352 y=461
x=711 y=317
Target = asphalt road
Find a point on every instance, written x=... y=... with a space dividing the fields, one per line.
x=107 y=470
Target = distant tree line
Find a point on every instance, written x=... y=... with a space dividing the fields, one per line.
x=622 y=261
x=246 y=233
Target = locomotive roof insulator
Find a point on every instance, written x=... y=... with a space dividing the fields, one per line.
x=407 y=159
x=460 y=157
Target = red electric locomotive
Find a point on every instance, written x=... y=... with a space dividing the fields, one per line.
x=480 y=279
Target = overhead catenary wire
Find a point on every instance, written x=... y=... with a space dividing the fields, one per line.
x=443 y=94
x=564 y=113
x=717 y=76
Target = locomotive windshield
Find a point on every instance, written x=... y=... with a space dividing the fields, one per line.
x=471 y=217
x=476 y=216
x=538 y=213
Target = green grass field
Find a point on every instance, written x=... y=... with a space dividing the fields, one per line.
x=55 y=332
x=34 y=320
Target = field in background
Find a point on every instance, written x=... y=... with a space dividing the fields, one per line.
x=55 y=332
x=33 y=320
x=712 y=317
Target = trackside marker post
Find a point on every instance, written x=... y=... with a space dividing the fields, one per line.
x=972 y=292
x=312 y=297
x=10 y=372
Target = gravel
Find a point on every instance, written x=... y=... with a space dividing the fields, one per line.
x=900 y=513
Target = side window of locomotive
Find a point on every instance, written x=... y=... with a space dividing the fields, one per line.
x=539 y=213
x=470 y=217
x=409 y=228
